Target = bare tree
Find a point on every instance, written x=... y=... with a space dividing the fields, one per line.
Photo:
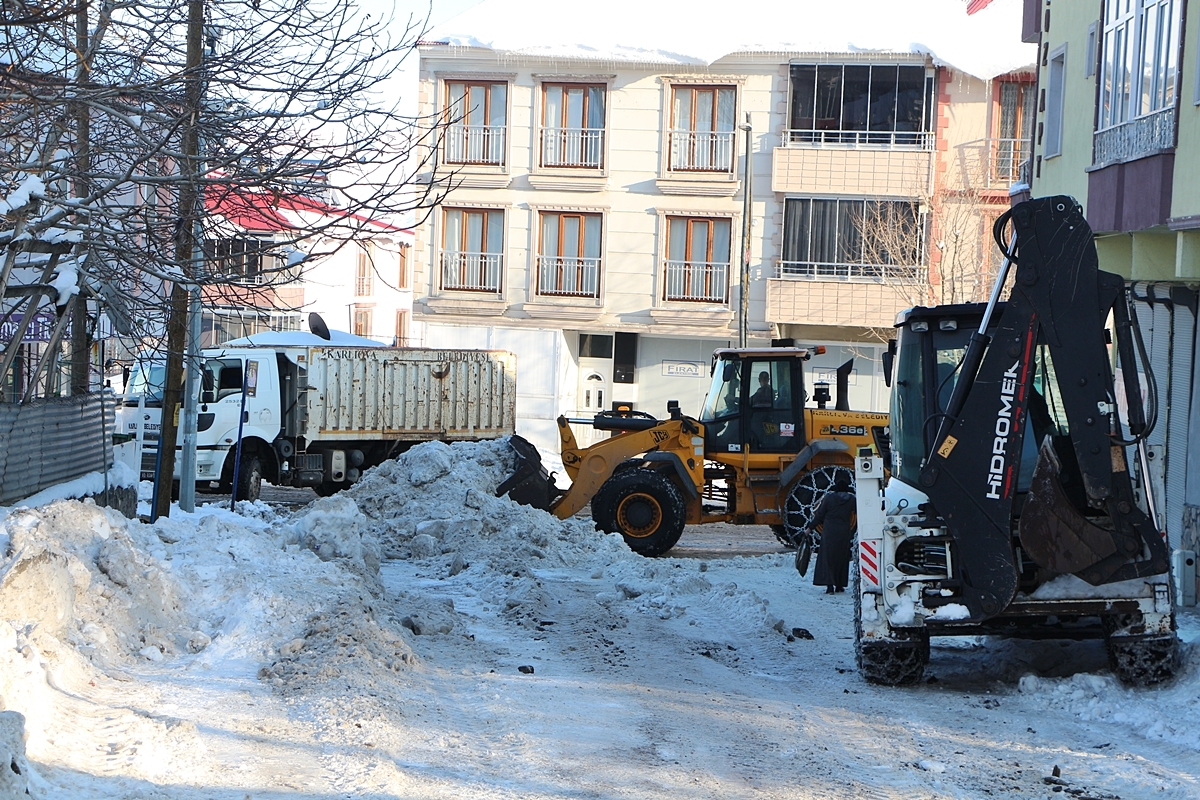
x=117 y=137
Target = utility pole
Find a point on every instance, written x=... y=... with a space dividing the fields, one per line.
x=744 y=291
x=184 y=244
x=191 y=397
x=81 y=352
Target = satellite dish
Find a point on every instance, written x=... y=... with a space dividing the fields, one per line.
x=318 y=326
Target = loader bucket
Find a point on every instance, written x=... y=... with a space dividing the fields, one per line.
x=530 y=484
x=1053 y=532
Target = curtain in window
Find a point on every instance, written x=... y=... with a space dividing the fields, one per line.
x=796 y=214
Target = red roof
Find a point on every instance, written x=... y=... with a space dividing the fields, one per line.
x=977 y=5
x=258 y=211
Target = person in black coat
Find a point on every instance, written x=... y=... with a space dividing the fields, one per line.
x=836 y=516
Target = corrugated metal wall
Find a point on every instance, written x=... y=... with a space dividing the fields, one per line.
x=1167 y=314
x=48 y=441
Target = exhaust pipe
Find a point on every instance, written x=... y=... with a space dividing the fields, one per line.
x=843 y=386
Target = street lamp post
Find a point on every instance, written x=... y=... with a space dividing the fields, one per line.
x=744 y=291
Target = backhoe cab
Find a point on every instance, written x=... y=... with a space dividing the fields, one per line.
x=1012 y=508
x=756 y=455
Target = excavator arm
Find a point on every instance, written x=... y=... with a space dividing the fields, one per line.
x=1079 y=515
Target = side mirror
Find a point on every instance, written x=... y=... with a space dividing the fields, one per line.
x=730 y=371
x=888 y=359
x=208 y=397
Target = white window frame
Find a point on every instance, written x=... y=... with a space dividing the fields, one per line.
x=1055 y=98
x=1133 y=24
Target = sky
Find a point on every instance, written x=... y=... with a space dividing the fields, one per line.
x=438 y=11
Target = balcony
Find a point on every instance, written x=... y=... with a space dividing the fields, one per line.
x=911 y=140
x=841 y=302
x=568 y=277
x=992 y=163
x=702 y=151
x=863 y=273
x=363 y=286
x=471 y=272
x=697 y=281
x=1145 y=136
x=475 y=144
x=574 y=148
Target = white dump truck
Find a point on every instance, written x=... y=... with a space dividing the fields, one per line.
x=318 y=412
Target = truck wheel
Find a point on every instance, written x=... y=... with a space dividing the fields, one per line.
x=249 y=478
x=326 y=489
x=645 y=507
x=782 y=535
x=896 y=662
x=1144 y=660
x=808 y=492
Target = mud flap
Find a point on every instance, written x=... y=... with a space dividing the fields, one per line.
x=530 y=484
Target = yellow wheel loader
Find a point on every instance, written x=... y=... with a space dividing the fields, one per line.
x=757 y=455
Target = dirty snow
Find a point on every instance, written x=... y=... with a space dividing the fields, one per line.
x=417 y=637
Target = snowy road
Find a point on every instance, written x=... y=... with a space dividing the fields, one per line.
x=219 y=658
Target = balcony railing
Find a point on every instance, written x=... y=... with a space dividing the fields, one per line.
x=697 y=281
x=908 y=140
x=475 y=144
x=471 y=272
x=992 y=163
x=702 y=151
x=573 y=147
x=362 y=286
x=1136 y=139
x=872 y=273
x=568 y=277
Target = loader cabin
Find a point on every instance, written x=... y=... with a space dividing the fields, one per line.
x=756 y=401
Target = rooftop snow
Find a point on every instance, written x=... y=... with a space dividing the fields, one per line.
x=985 y=44
x=301 y=339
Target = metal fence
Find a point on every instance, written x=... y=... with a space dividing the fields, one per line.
x=49 y=441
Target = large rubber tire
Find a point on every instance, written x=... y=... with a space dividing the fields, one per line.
x=1143 y=661
x=895 y=663
x=807 y=493
x=645 y=507
x=250 y=478
x=326 y=489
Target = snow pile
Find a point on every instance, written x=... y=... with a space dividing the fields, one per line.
x=1166 y=713
x=984 y=44
x=120 y=475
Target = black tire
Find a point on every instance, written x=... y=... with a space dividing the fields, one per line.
x=894 y=663
x=807 y=493
x=645 y=507
x=782 y=535
x=249 y=478
x=1143 y=660
x=326 y=489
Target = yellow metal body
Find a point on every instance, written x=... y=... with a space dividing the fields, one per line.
x=752 y=479
x=590 y=467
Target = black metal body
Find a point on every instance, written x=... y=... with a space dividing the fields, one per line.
x=1079 y=515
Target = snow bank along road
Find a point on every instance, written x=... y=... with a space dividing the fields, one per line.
x=417 y=637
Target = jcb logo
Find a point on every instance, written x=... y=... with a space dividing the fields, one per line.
x=660 y=436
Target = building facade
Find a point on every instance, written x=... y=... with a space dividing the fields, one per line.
x=594 y=221
x=354 y=272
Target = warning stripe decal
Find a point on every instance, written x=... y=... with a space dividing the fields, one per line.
x=868 y=558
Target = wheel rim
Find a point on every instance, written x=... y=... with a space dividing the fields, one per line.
x=639 y=515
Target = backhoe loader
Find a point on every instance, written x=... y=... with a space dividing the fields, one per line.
x=1011 y=508
x=757 y=455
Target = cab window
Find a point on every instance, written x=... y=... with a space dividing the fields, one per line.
x=223 y=376
x=723 y=407
x=772 y=425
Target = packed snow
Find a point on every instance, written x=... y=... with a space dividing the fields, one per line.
x=417 y=637
x=985 y=44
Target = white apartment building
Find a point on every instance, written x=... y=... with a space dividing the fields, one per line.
x=594 y=220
